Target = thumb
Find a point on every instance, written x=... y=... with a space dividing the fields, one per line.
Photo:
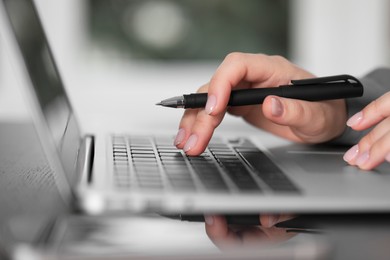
x=311 y=122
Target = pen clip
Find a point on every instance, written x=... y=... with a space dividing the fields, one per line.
x=330 y=79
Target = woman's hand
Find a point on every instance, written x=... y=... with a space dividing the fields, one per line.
x=374 y=148
x=228 y=237
x=295 y=120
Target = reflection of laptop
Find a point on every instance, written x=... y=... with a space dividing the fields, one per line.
x=143 y=173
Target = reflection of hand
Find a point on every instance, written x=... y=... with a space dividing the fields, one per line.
x=232 y=237
x=296 y=120
x=374 y=148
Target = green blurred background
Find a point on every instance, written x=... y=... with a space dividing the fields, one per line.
x=189 y=29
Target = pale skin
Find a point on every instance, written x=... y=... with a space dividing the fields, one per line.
x=276 y=115
x=374 y=148
x=228 y=237
x=295 y=120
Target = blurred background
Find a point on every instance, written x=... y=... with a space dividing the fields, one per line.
x=187 y=29
x=117 y=51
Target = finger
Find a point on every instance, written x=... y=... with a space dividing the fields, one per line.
x=378 y=153
x=201 y=132
x=374 y=135
x=238 y=67
x=186 y=123
x=234 y=69
x=185 y=126
x=310 y=122
x=361 y=150
x=218 y=231
x=270 y=220
x=376 y=147
x=372 y=114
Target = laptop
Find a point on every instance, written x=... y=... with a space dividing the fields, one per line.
x=127 y=173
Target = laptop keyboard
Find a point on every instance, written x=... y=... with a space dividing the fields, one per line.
x=225 y=167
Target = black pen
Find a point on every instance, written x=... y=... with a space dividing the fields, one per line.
x=298 y=224
x=315 y=89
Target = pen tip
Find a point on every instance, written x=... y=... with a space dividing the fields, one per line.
x=159 y=104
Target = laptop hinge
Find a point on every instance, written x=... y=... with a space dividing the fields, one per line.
x=86 y=157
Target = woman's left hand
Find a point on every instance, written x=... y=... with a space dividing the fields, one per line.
x=374 y=148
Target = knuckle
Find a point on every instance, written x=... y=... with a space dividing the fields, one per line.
x=204 y=123
x=295 y=111
x=311 y=121
x=376 y=106
x=201 y=122
x=234 y=56
x=367 y=141
x=280 y=60
x=378 y=148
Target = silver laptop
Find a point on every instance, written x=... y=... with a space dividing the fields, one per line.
x=147 y=173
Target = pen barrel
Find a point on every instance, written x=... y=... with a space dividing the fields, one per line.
x=324 y=91
x=308 y=92
x=240 y=97
x=244 y=97
x=195 y=100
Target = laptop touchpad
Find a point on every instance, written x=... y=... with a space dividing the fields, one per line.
x=319 y=158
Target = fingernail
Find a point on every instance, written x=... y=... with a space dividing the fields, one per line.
x=209 y=220
x=388 y=157
x=180 y=136
x=351 y=153
x=362 y=159
x=211 y=103
x=355 y=119
x=276 y=107
x=191 y=142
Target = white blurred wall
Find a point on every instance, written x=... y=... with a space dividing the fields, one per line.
x=341 y=36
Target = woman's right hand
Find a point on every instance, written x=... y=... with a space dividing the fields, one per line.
x=295 y=120
x=227 y=237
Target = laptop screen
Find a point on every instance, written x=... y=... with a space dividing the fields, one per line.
x=46 y=81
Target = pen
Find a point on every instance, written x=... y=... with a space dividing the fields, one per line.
x=315 y=89
x=297 y=224
x=303 y=223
